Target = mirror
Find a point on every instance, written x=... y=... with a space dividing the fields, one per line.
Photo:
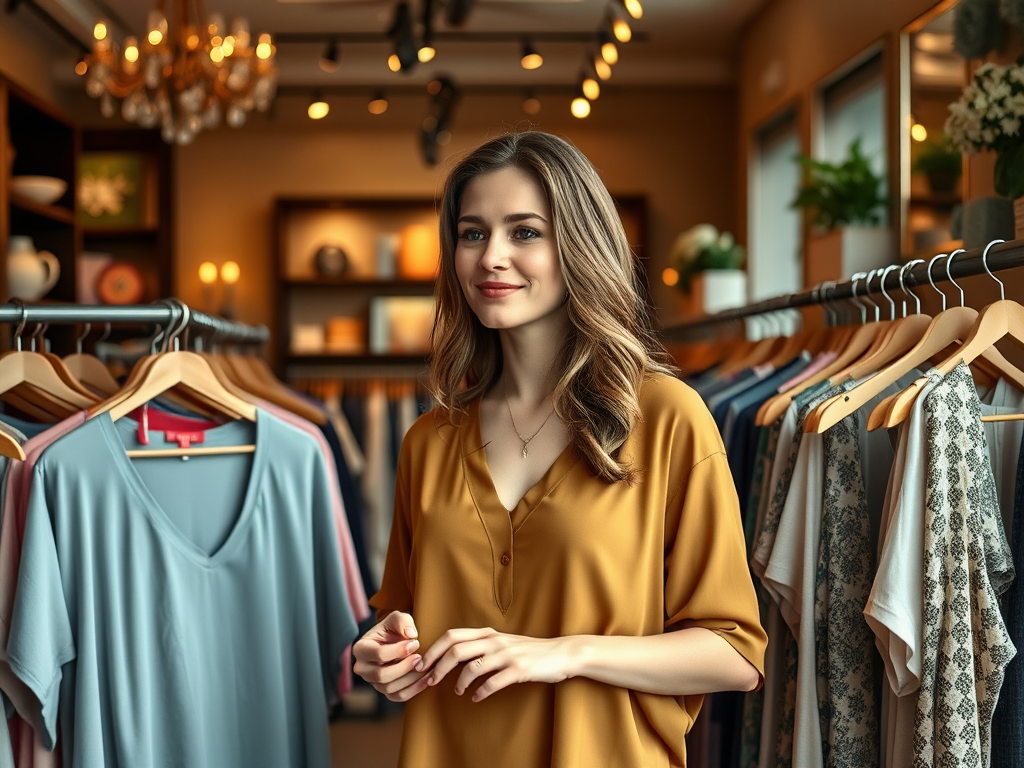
x=931 y=179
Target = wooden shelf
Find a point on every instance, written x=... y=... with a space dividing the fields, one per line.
x=329 y=359
x=362 y=283
x=121 y=232
x=52 y=212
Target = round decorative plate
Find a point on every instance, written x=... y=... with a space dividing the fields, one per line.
x=121 y=283
x=331 y=260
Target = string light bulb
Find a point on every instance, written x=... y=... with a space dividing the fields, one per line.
x=591 y=88
x=531 y=59
x=580 y=107
x=621 y=30
x=609 y=51
x=318 y=108
x=633 y=8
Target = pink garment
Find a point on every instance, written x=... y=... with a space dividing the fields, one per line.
x=353 y=581
x=823 y=359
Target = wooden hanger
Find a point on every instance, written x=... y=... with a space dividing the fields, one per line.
x=9 y=445
x=999 y=320
x=247 y=372
x=171 y=369
x=90 y=370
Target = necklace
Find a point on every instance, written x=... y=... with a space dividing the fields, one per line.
x=524 y=440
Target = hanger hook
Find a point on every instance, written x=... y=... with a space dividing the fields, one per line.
x=984 y=263
x=21 y=323
x=932 y=282
x=950 y=277
x=182 y=324
x=81 y=339
x=892 y=304
x=853 y=290
x=867 y=292
x=903 y=286
x=106 y=334
x=37 y=333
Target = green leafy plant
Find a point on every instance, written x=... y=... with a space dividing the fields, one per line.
x=940 y=162
x=841 y=194
x=701 y=248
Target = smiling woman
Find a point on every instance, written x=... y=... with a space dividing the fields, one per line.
x=566 y=576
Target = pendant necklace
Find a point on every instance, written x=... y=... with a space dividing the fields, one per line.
x=524 y=440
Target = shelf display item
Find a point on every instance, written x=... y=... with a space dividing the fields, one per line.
x=121 y=283
x=418 y=252
x=45 y=190
x=401 y=324
x=387 y=254
x=346 y=335
x=114 y=190
x=331 y=260
x=31 y=274
x=88 y=268
x=308 y=339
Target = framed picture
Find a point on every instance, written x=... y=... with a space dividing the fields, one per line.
x=400 y=325
x=117 y=190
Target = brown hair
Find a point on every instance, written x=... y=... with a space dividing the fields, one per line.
x=610 y=347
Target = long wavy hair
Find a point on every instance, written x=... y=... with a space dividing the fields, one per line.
x=610 y=346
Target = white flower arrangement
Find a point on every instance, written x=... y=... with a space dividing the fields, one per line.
x=990 y=116
x=703 y=247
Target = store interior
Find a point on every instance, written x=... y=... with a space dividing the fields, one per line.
x=307 y=204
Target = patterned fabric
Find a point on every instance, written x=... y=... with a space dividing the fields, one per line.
x=848 y=700
x=787 y=722
x=966 y=566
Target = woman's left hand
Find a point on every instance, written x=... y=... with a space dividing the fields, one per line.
x=503 y=659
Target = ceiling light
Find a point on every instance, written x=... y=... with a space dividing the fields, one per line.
x=318 y=108
x=918 y=132
x=531 y=104
x=230 y=272
x=426 y=53
x=591 y=88
x=531 y=59
x=633 y=8
x=393 y=63
x=434 y=87
x=457 y=11
x=378 y=104
x=580 y=107
x=81 y=68
x=621 y=30
x=609 y=51
x=602 y=68
x=331 y=59
x=406 y=47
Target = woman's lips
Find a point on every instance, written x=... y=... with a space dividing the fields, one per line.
x=497 y=290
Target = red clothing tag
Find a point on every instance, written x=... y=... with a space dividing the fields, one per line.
x=144 y=425
x=184 y=439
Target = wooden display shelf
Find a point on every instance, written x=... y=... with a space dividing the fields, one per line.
x=364 y=283
x=364 y=359
x=119 y=232
x=52 y=212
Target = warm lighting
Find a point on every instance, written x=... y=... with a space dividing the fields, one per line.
x=621 y=30
x=331 y=58
x=230 y=272
x=591 y=88
x=633 y=8
x=602 y=68
x=318 y=108
x=208 y=273
x=81 y=68
x=531 y=105
x=580 y=107
x=670 y=276
x=531 y=59
x=426 y=53
x=394 y=63
x=177 y=75
x=918 y=132
x=378 y=104
x=434 y=87
x=610 y=52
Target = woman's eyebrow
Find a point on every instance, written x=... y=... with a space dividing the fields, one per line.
x=509 y=219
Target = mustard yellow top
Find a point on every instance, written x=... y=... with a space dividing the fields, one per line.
x=577 y=556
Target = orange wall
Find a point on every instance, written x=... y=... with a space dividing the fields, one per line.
x=674 y=146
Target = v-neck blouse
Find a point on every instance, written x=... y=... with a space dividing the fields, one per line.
x=577 y=555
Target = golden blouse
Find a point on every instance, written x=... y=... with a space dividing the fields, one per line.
x=577 y=556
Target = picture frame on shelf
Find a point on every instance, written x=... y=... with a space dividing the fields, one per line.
x=117 y=191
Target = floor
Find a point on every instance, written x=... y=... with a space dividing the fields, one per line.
x=366 y=743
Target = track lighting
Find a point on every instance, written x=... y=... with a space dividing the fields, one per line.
x=531 y=59
x=609 y=51
x=426 y=51
x=457 y=11
x=580 y=107
x=621 y=30
x=602 y=68
x=378 y=104
x=633 y=8
x=318 y=108
x=406 y=48
x=331 y=58
x=590 y=87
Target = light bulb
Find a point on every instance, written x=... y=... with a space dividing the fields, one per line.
x=230 y=272
x=81 y=67
x=426 y=53
x=633 y=8
x=531 y=106
x=580 y=107
x=591 y=88
x=394 y=63
x=918 y=132
x=604 y=71
x=217 y=54
x=621 y=30
x=318 y=108
x=610 y=52
x=670 y=276
x=131 y=50
x=208 y=273
x=265 y=49
x=378 y=105
x=100 y=30
x=531 y=59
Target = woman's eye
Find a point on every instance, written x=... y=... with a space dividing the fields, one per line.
x=471 y=234
x=525 y=233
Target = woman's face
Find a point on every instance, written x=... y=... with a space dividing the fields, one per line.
x=506 y=257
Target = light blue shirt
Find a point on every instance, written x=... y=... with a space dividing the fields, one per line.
x=182 y=613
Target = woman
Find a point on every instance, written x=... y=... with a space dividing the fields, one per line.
x=566 y=576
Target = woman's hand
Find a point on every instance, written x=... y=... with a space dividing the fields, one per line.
x=386 y=658
x=503 y=659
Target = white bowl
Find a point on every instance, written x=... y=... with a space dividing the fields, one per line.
x=41 y=189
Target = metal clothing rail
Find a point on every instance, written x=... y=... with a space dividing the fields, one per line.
x=168 y=314
x=1000 y=256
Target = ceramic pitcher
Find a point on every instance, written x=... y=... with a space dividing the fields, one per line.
x=31 y=274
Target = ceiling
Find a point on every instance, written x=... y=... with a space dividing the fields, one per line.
x=684 y=41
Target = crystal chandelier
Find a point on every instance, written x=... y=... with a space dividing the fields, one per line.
x=184 y=75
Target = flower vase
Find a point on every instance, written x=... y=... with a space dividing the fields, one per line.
x=714 y=290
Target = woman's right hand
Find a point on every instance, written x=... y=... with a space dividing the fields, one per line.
x=386 y=658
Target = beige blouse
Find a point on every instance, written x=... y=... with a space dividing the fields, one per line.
x=577 y=556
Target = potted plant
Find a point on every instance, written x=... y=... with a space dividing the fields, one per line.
x=707 y=267
x=988 y=117
x=941 y=163
x=846 y=206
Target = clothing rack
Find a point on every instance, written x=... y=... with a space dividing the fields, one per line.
x=170 y=313
x=996 y=257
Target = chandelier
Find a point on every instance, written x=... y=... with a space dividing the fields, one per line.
x=187 y=73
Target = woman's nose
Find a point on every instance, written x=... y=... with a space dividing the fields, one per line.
x=495 y=256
